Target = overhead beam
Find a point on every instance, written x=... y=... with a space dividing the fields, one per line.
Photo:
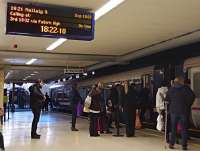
x=57 y=56
x=36 y=68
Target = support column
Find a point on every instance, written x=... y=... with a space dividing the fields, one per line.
x=1 y=87
x=1 y=91
x=13 y=98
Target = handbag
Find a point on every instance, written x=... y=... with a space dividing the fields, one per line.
x=87 y=103
x=138 y=124
x=160 y=123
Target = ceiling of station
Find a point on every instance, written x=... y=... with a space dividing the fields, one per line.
x=133 y=25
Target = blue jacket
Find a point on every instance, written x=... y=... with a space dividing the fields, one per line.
x=180 y=99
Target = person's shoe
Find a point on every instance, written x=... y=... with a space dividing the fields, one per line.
x=102 y=132
x=130 y=135
x=35 y=136
x=184 y=148
x=108 y=132
x=74 y=129
x=171 y=146
x=96 y=135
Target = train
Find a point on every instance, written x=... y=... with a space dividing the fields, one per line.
x=150 y=70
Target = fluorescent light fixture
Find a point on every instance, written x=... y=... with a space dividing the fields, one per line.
x=35 y=72
x=55 y=86
x=77 y=76
x=57 y=43
x=85 y=74
x=8 y=74
x=107 y=7
x=31 y=61
x=93 y=73
x=32 y=74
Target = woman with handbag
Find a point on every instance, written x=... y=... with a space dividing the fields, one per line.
x=94 y=110
x=130 y=109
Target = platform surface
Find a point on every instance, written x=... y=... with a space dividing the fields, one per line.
x=56 y=136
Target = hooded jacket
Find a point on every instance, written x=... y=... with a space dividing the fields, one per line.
x=160 y=98
x=180 y=99
x=36 y=96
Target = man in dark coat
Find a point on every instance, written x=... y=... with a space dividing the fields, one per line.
x=114 y=97
x=130 y=102
x=180 y=100
x=76 y=98
x=36 y=100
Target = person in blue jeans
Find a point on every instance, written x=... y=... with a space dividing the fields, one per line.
x=180 y=100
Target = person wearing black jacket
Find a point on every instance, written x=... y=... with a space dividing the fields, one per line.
x=36 y=101
x=76 y=98
x=114 y=97
x=1 y=135
x=180 y=100
x=95 y=109
x=130 y=109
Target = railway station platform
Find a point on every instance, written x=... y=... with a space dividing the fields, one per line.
x=57 y=136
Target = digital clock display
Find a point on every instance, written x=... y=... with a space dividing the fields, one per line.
x=49 y=21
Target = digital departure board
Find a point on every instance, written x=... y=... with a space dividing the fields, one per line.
x=49 y=21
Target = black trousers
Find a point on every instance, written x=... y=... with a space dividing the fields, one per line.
x=1 y=141
x=130 y=122
x=108 y=121
x=93 y=124
x=74 y=115
x=36 y=117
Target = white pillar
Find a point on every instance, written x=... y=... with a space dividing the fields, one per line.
x=1 y=87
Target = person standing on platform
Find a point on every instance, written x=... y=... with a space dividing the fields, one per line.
x=47 y=102
x=130 y=109
x=145 y=101
x=1 y=135
x=161 y=108
x=75 y=100
x=36 y=101
x=95 y=109
x=114 y=97
x=180 y=100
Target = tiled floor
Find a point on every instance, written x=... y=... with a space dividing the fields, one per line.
x=56 y=136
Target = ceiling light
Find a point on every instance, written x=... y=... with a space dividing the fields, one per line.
x=31 y=61
x=57 y=43
x=8 y=74
x=85 y=74
x=55 y=86
x=107 y=7
x=35 y=72
x=93 y=73
x=32 y=74
x=77 y=76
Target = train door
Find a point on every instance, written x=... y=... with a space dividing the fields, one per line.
x=194 y=75
x=147 y=109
